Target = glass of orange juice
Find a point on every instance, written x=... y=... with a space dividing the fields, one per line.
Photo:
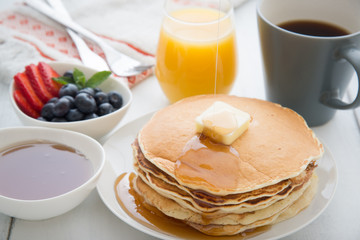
x=196 y=51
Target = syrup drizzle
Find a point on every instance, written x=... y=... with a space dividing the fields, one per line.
x=136 y=207
x=217 y=46
x=206 y=163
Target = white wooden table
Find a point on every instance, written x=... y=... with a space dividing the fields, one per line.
x=92 y=219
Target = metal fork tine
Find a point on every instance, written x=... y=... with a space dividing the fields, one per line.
x=119 y=63
x=143 y=68
x=87 y=56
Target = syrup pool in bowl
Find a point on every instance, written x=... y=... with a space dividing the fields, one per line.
x=46 y=172
x=41 y=169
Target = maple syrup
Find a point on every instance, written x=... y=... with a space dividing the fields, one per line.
x=136 y=207
x=205 y=162
x=40 y=169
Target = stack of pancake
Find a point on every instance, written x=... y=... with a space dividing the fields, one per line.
x=265 y=176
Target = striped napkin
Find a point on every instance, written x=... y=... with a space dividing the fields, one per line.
x=27 y=37
x=132 y=26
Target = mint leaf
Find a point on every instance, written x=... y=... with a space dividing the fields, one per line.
x=97 y=79
x=79 y=78
x=63 y=80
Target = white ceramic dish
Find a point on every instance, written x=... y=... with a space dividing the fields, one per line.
x=119 y=160
x=95 y=128
x=51 y=207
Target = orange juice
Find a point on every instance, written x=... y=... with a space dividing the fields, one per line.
x=186 y=62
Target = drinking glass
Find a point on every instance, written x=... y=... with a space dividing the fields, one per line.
x=197 y=48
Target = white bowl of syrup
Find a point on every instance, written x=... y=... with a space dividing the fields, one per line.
x=45 y=172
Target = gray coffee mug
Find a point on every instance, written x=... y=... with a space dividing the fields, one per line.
x=309 y=74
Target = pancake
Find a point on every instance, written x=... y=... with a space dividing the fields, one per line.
x=278 y=145
x=171 y=208
x=203 y=196
x=231 y=223
x=265 y=176
x=186 y=200
x=301 y=203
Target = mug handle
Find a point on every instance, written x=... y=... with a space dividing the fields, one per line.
x=332 y=98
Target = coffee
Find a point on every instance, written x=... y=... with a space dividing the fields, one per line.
x=314 y=28
x=310 y=74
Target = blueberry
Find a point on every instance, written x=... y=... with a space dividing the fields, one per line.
x=69 y=74
x=47 y=111
x=74 y=115
x=41 y=119
x=85 y=103
x=58 y=119
x=53 y=100
x=61 y=107
x=100 y=98
x=71 y=100
x=104 y=109
x=115 y=99
x=97 y=90
x=87 y=90
x=90 y=116
x=68 y=89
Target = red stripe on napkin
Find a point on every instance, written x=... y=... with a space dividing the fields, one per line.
x=59 y=40
x=128 y=44
x=38 y=49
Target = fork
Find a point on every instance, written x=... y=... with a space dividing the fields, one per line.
x=119 y=63
x=88 y=57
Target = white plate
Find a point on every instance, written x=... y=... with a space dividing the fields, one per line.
x=120 y=159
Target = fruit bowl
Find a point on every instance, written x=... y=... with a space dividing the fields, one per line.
x=39 y=208
x=96 y=127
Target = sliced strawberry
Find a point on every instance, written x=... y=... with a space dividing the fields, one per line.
x=47 y=73
x=37 y=83
x=24 y=105
x=22 y=83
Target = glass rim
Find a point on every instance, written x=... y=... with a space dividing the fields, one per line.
x=227 y=15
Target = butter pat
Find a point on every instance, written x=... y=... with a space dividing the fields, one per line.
x=222 y=123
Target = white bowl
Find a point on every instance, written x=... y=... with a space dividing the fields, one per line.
x=97 y=127
x=54 y=206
